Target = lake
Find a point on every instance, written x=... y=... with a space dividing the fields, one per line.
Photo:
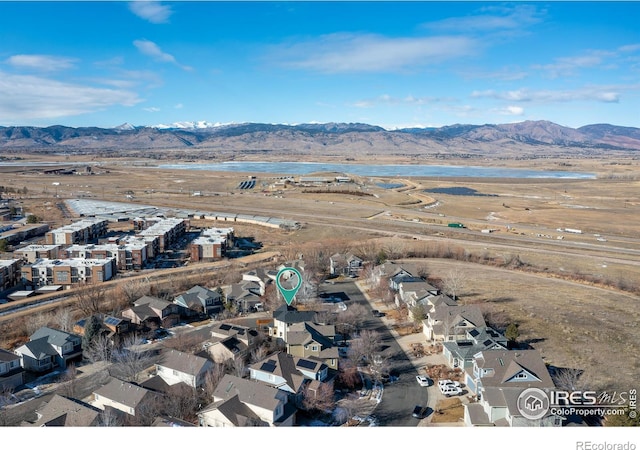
x=373 y=170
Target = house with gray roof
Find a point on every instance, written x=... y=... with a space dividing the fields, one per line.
x=122 y=396
x=460 y=353
x=284 y=317
x=200 y=300
x=179 y=367
x=61 y=411
x=497 y=378
x=11 y=373
x=241 y=402
x=230 y=341
x=449 y=323
x=49 y=348
x=346 y=264
x=245 y=295
x=287 y=372
x=308 y=339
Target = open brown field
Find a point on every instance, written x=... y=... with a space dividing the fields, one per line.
x=575 y=298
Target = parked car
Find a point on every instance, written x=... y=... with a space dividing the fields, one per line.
x=423 y=380
x=419 y=412
x=342 y=306
x=448 y=383
x=377 y=313
x=448 y=390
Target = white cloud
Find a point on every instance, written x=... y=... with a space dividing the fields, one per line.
x=492 y=18
x=600 y=94
x=343 y=52
x=151 y=49
x=44 y=63
x=30 y=97
x=152 y=11
x=151 y=109
x=511 y=111
x=386 y=99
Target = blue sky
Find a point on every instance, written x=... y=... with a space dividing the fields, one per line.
x=392 y=64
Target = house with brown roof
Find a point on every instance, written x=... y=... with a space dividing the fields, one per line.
x=178 y=367
x=241 y=402
x=65 y=412
x=497 y=378
x=148 y=310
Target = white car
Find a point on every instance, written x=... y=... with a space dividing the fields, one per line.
x=422 y=380
x=342 y=306
x=448 y=390
x=442 y=383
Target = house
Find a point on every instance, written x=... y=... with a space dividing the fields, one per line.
x=241 y=402
x=346 y=264
x=114 y=328
x=394 y=273
x=415 y=291
x=65 y=412
x=230 y=342
x=245 y=295
x=49 y=348
x=122 y=396
x=11 y=373
x=497 y=378
x=449 y=323
x=460 y=353
x=287 y=372
x=284 y=317
x=308 y=339
x=149 y=310
x=178 y=367
x=200 y=300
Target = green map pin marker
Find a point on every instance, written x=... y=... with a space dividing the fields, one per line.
x=288 y=292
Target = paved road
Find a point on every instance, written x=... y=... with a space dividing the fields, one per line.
x=399 y=397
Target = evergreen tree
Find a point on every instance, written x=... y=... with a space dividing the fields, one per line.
x=92 y=329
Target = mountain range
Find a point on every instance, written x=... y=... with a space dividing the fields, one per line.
x=529 y=137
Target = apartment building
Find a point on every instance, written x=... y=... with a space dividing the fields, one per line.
x=9 y=273
x=167 y=231
x=81 y=232
x=128 y=255
x=34 y=252
x=67 y=272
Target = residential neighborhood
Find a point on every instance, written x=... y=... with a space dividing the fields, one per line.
x=235 y=356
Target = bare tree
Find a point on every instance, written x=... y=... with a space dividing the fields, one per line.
x=320 y=398
x=212 y=379
x=68 y=381
x=90 y=299
x=351 y=320
x=134 y=289
x=37 y=321
x=100 y=349
x=568 y=379
x=129 y=361
x=454 y=282
x=109 y=418
x=63 y=318
x=365 y=346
